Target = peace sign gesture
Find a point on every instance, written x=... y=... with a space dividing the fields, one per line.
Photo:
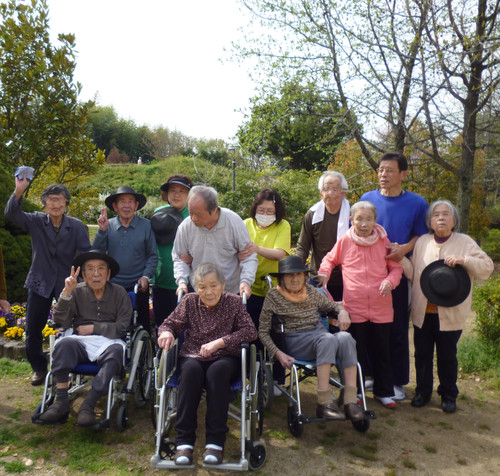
x=71 y=282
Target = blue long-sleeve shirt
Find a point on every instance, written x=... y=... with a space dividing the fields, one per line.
x=133 y=247
x=52 y=253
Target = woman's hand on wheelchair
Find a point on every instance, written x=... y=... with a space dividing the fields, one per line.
x=285 y=360
x=166 y=340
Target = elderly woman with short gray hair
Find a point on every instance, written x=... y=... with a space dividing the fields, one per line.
x=442 y=268
x=214 y=323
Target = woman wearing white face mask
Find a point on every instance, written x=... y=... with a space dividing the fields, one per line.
x=271 y=240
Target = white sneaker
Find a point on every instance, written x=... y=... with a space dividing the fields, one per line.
x=276 y=390
x=369 y=385
x=399 y=393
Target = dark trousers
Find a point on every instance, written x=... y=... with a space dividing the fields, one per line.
x=373 y=346
x=68 y=353
x=400 y=344
x=215 y=376
x=164 y=302
x=142 y=308
x=447 y=363
x=254 y=308
x=37 y=314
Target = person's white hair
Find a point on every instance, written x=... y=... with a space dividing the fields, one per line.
x=363 y=204
x=206 y=268
x=337 y=175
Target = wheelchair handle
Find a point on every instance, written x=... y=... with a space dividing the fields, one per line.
x=136 y=288
x=244 y=298
x=179 y=296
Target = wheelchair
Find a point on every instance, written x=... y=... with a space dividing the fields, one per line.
x=300 y=371
x=134 y=380
x=248 y=413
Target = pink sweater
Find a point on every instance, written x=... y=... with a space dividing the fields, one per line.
x=364 y=268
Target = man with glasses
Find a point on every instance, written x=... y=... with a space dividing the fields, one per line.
x=130 y=240
x=402 y=214
x=97 y=315
x=323 y=224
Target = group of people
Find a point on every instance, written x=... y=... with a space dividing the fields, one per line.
x=363 y=256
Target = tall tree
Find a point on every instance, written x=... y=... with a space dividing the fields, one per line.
x=296 y=127
x=392 y=64
x=41 y=121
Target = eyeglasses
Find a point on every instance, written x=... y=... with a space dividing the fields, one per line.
x=331 y=190
x=54 y=199
x=99 y=271
x=265 y=211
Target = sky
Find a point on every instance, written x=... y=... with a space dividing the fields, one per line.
x=158 y=62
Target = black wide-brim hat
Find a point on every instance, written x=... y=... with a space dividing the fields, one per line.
x=81 y=259
x=290 y=264
x=164 y=223
x=178 y=180
x=125 y=190
x=443 y=285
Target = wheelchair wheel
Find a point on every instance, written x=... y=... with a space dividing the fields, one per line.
x=267 y=386
x=142 y=385
x=256 y=455
x=170 y=410
x=122 y=417
x=295 y=426
x=362 y=425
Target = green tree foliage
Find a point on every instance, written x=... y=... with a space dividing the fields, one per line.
x=111 y=133
x=41 y=120
x=16 y=245
x=486 y=303
x=391 y=65
x=297 y=128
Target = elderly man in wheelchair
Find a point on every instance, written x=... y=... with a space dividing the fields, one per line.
x=97 y=314
x=304 y=336
x=214 y=323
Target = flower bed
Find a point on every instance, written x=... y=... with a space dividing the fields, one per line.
x=13 y=323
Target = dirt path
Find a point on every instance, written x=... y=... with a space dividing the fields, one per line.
x=399 y=442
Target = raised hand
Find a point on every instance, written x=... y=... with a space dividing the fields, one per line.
x=71 y=282
x=103 y=221
x=21 y=186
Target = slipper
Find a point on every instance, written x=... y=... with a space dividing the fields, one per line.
x=184 y=456
x=387 y=402
x=212 y=456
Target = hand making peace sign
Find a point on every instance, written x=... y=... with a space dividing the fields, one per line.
x=71 y=282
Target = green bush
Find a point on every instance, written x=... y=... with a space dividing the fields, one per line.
x=486 y=303
x=491 y=244
x=475 y=355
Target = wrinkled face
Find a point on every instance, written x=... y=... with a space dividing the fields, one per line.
x=210 y=289
x=332 y=193
x=294 y=282
x=55 y=205
x=199 y=213
x=95 y=273
x=125 y=205
x=442 y=221
x=363 y=221
x=389 y=175
x=177 y=196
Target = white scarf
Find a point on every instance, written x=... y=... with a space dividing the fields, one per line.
x=319 y=215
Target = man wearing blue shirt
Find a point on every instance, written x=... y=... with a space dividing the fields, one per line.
x=402 y=214
x=130 y=240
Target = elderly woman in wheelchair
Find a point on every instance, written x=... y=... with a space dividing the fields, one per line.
x=214 y=323
x=306 y=338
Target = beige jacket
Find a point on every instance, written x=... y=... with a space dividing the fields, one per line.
x=477 y=263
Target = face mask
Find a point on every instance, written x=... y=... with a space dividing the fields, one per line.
x=265 y=220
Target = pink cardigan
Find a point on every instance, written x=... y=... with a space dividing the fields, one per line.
x=363 y=270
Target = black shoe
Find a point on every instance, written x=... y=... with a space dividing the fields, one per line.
x=420 y=400
x=86 y=416
x=57 y=413
x=38 y=377
x=449 y=405
x=329 y=411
